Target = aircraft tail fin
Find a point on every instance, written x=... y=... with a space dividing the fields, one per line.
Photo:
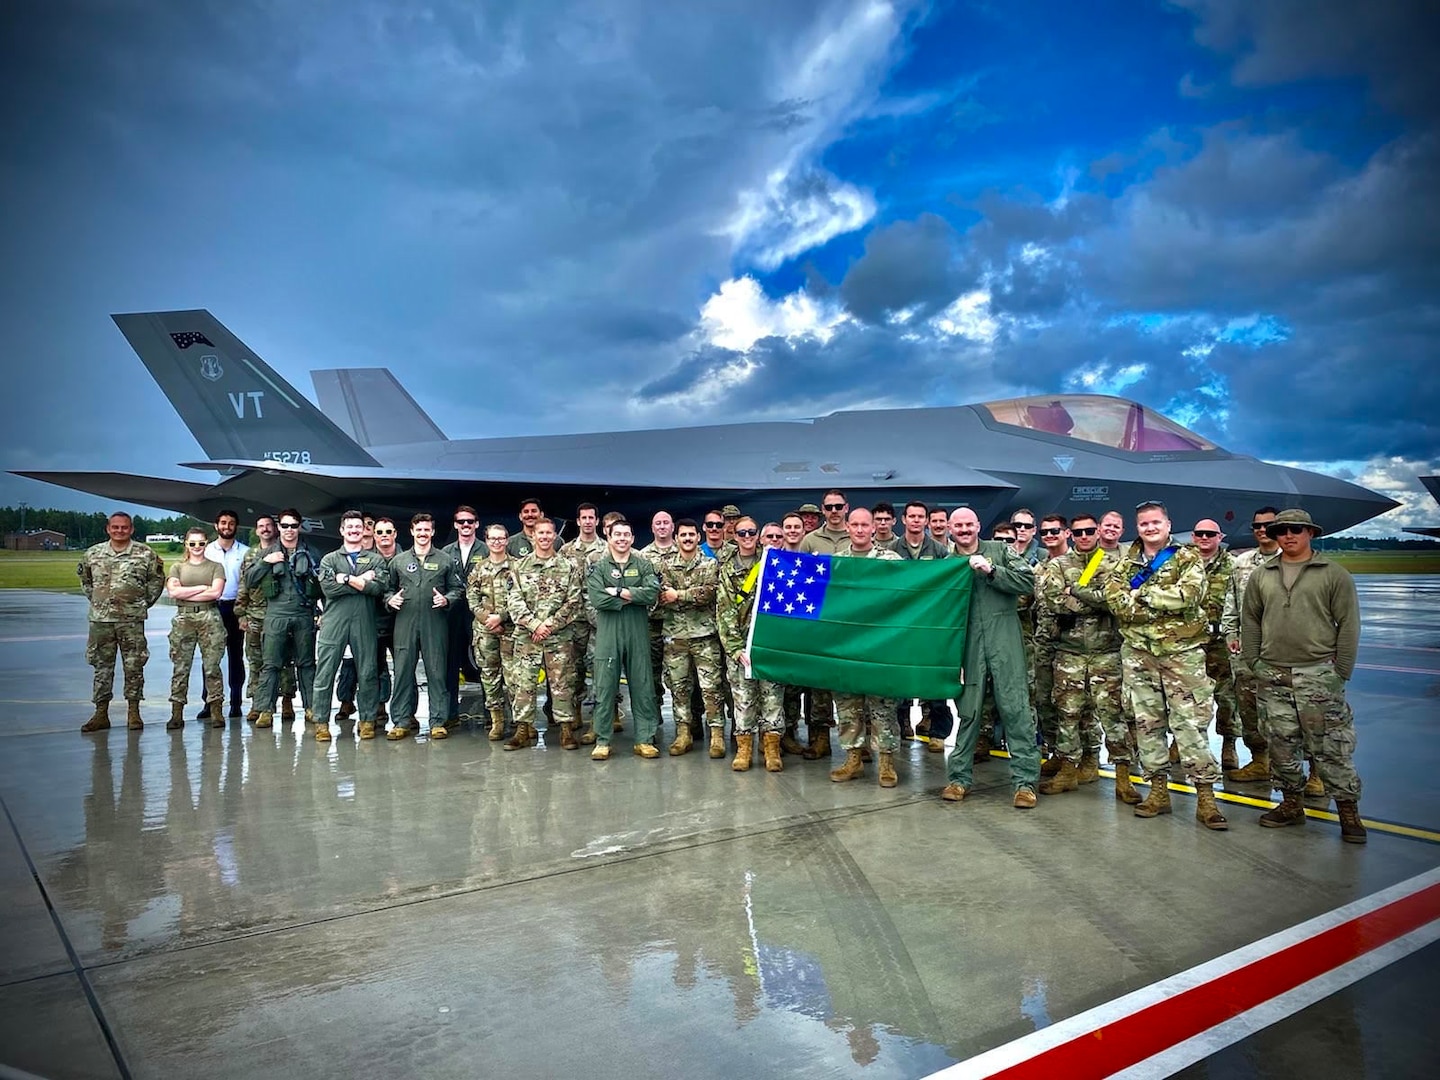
x=234 y=404
x=373 y=408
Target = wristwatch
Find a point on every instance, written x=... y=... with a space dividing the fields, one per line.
x=341 y=578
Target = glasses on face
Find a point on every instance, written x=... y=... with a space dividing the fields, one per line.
x=1023 y=524
x=1204 y=534
x=747 y=532
x=289 y=524
x=1083 y=532
x=1260 y=526
x=384 y=532
x=1286 y=530
x=834 y=506
x=714 y=524
x=464 y=521
x=1051 y=532
x=195 y=543
x=773 y=537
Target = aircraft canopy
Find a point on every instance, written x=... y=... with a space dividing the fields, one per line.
x=1094 y=418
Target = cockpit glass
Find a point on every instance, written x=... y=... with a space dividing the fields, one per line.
x=1109 y=421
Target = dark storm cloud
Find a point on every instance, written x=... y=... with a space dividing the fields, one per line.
x=910 y=264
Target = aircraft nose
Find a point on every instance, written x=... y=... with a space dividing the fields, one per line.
x=1336 y=504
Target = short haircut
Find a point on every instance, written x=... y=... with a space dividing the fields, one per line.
x=686 y=523
x=119 y=514
x=463 y=509
x=621 y=521
x=859 y=510
x=612 y=517
x=1266 y=510
x=835 y=491
x=1002 y=527
x=921 y=505
x=289 y=511
x=231 y=514
x=1022 y=510
x=1152 y=504
x=352 y=515
x=768 y=524
x=264 y=517
x=586 y=506
x=421 y=518
x=717 y=513
x=504 y=532
x=796 y=515
x=531 y=502
x=544 y=521
x=1082 y=516
x=384 y=521
x=1113 y=513
x=883 y=508
x=1056 y=517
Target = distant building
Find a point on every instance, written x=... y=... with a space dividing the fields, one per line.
x=35 y=540
x=162 y=538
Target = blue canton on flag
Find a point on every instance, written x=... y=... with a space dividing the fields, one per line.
x=794 y=584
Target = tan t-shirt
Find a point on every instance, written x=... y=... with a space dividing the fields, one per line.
x=196 y=574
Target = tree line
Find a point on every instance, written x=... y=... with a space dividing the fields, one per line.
x=82 y=529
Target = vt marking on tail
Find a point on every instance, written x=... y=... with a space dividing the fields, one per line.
x=255 y=397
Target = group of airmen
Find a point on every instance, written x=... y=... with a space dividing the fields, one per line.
x=1074 y=642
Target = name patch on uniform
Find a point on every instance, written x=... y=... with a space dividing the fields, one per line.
x=630 y=571
x=432 y=566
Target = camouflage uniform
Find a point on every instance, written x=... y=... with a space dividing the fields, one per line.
x=197 y=624
x=759 y=703
x=1163 y=659
x=657 y=557
x=543 y=592
x=121 y=586
x=494 y=651
x=863 y=716
x=250 y=608
x=691 y=637
x=1301 y=643
x=582 y=554
x=1218 y=572
x=1243 y=566
x=820 y=702
x=1086 y=644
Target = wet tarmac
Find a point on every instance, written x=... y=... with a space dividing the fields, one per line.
x=236 y=902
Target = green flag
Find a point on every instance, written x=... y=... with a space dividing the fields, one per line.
x=885 y=627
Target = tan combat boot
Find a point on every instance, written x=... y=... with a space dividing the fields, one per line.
x=1206 y=812
x=497 y=725
x=132 y=716
x=646 y=750
x=1067 y=779
x=177 y=717
x=1257 y=770
x=1289 y=811
x=1352 y=829
x=791 y=745
x=217 y=715
x=567 y=737
x=1229 y=759
x=309 y=716
x=888 y=776
x=1158 y=801
x=682 y=742
x=287 y=710
x=367 y=729
x=519 y=740
x=953 y=792
x=717 y=742
x=1314 y=786
x=770 y=747
x=346 y=710
x=850 y=768
x=1088 y=771
x=265 y=720
x=99 y=720
x=744 y=750
x=439 y=731
x=819 y=748
x=1052 y=765
x=1125 y=787
x=253 y=714
x=322 y=732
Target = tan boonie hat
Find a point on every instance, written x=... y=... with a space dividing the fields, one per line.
x=1294 y=517
x=808 y=508
x=730 y=510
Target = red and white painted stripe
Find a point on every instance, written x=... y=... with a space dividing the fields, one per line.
x=1160 y=1029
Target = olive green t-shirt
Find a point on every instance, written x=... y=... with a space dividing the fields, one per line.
x=196 y=573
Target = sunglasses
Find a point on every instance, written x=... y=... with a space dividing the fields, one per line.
x=1204 y=533
x=196 y=543
x=384 y=532
x=1023 y=524
x=289 y=524
x=465 y=521
x=747 y=532
x=1258 y=525
x=834 y=506
x=771 y=536
x=1083 y=532
x=1051 y=532
x=714 y=524
x=1286 y=530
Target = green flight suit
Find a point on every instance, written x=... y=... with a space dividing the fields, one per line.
x=349 y=619
x=290 y=588
x=994 y=647
x=422 y=630
x=622 y=642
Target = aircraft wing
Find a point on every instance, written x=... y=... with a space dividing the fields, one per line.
x=181 y=496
